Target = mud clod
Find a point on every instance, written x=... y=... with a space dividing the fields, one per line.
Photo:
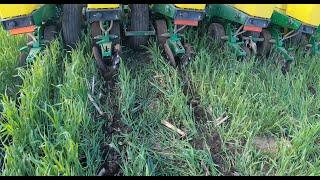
x=215 y=143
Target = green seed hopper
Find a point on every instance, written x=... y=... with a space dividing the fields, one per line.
x=170 y=20
x=38 y=21
x=293 y=26
x=107 y=21
x=309 y=16
x=239 y=25
x=41 y=22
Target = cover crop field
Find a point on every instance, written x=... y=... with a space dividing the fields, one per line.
x=217 y=116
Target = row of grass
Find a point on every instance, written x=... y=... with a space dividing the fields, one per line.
x=56 y=131
x=9 y=50
x=9 y=82
x=258 y=99
x=53 y=130
x=263 y=103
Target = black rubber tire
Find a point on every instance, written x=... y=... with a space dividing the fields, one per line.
x=189 y=56
x=29 y=40
x=139 y=22
x=95 y=29
x=248 y=51
x=97 y=56
x=72 y=21
x=50 y=33
x=106 y=71
x=161 y=28
x=170 y=55
x=189 y=49
x=216 y=31
x=300 y=40
x=115 y=30
x=286 y=68
x=22 y=59
x=264 y=47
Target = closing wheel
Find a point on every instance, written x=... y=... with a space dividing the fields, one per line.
x=248 y=53
x=189 y=54
x=116 y=49
x=29 y=40
x=97 y=56
x=106 y=71
x=285 y=67
x=300 y=40
x=216 y=31
x=286 y=64
x=264 y=47
x=115 y=30
x=22 y=59
x=161 y=27
x=95 y=29
x=169 y=54
x=72 y=21
x=50 y=33
x=139 y=22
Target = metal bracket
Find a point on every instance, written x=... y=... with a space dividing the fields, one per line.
x=176 y=46
x=152 y=32
x=233 y=41
x=36 y=45
x=33 y=53
x=314 y=45
x=279 y=45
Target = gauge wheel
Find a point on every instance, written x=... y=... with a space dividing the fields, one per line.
x=264 y=47
x=139 y=22
x=50 y=33
x=170 y=55
x=72 y=22
x=161 y=27
x=216 y=31
x=22 y=59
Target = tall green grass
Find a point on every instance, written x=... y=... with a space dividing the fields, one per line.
x=257 y=98
x=260 y=101
x=9 y=59
x=57 y=131
x=53 y=131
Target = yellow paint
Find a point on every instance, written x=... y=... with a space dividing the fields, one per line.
x=103 y=6
x=15 y=10
x=281 y=7
x=257 y=10
x=191 y=6
x=307 y=13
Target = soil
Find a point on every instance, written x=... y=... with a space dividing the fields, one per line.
x=112 y=163
x=265 y=144
x=215 y=143
x=112 y=126
x=312 y=89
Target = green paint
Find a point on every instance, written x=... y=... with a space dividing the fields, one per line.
x=226 y=12
x=280 y=19
x=45 y=13
x=168 y=10
x=176 y=46
x=279 y=45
